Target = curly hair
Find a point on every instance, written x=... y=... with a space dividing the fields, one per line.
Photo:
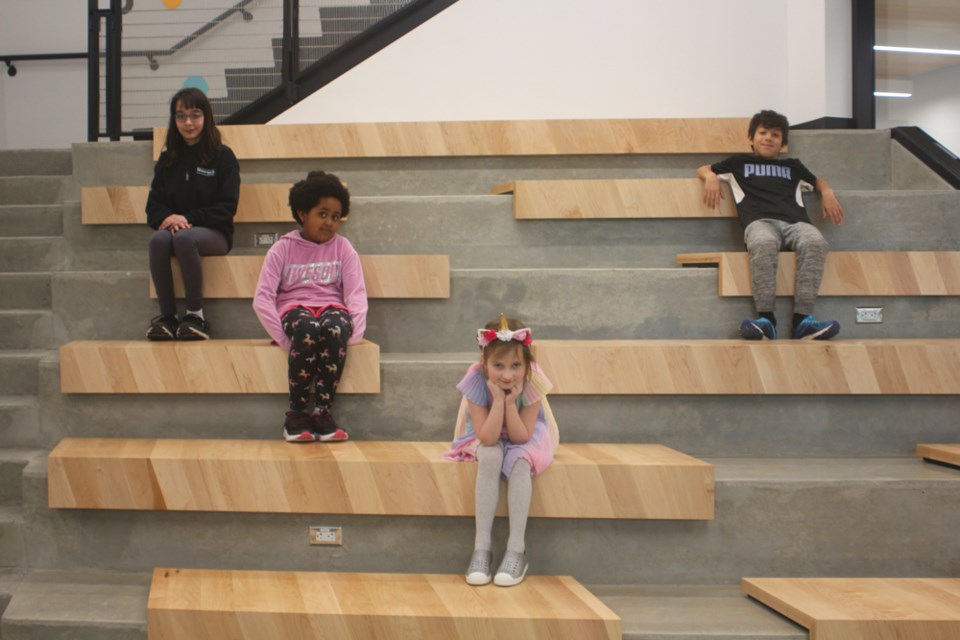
x=769 y=119
x=305 y=194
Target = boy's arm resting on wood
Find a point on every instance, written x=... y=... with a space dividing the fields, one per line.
x=831 y=206
x=711 y=186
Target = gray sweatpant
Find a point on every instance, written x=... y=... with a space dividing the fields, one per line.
x=188 y=245
x=764 y=239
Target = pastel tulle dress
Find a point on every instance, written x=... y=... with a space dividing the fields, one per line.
x=538 y=450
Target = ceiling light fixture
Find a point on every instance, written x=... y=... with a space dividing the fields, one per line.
x=936 y=52
x=891 y=94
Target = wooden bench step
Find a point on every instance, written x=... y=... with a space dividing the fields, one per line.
x=734 y=367
x=623 y=481
x=386 y=276
x=265 y=202
x=864 y=608
x=945 y=453
x=846 y=273
x=189 y=604
x=481 y=138
x=647 y=198
x=211 y=366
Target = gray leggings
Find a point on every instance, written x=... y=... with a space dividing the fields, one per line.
x=519 y=494
x=188 y=245
x=765 y=238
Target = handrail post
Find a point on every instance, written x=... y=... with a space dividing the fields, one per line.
x=114 y=62
x=290 y=51
x=93 y=70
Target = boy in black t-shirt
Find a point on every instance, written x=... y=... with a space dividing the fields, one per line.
x=768 y=193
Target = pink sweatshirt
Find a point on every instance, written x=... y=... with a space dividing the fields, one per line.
x=297 y=271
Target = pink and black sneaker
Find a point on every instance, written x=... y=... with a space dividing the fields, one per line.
x=326 y=428
x=298 y=427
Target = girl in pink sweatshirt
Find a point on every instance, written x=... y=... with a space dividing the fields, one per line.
x=312 y=300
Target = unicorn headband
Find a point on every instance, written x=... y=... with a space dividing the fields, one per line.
x=504 y=334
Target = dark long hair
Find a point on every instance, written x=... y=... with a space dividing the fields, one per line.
x=210 y=140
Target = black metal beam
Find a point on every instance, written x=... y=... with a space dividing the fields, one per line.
x=864 y=63
x=933 y=154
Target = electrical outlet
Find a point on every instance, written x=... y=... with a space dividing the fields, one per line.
x=326 y=536
x=866 y=315
x=265 y=239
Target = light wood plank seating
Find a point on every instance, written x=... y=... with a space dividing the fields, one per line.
x=945 y=453
x=212 y=366
x=386 y=276
x=846 y=273
x=622 y=481
x=648 y=198
x=734 y=367
x=127 y=204
x=481 y=138
x=864 y=608
x=190 y=604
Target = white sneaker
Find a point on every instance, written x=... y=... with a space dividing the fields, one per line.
x=478 y=573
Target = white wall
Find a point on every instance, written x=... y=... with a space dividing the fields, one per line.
x=934 y=107
x=44 y=105
x=503 y=59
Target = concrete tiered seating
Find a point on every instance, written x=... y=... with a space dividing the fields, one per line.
x=802 y=480
x=864 y=608
x=481 y=138
x=944 y=453
x=213 y=366
x=649 y=198
x=189 y=604
x=619 y=481
x=421 y=276
x=743 y=367
x=846 y=273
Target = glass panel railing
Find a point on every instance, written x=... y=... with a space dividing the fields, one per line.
x=918 y=67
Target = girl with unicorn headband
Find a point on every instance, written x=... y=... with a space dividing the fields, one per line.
x=506 y=426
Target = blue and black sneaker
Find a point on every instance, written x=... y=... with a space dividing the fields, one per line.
x=812 y=329
x=758 y=329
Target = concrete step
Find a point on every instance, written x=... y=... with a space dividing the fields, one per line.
x=10 y=579
x=876 y=220
x=36 y=162
x=418 y=401
x=11 y=536
x=848 y=159
x=23 y=291
x=18 y=371
x=12 y=463
x=645 y=303
x=27 y=330
x=31 y=220
x=699 y=612
x=53 y=605
x=27 y=189
x=18 y=255
x=774 y=516
x=20 y=421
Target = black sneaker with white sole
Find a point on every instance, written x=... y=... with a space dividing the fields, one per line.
x=193 y=327
x=163 y=328
x=326 y=428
